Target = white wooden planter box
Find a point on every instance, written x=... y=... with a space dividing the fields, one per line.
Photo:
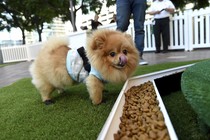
x=111 y=125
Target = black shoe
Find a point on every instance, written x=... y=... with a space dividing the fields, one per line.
x=165 y=52
x=157 y=51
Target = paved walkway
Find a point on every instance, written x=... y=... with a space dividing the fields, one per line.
x=11 y=73
x=177 y=56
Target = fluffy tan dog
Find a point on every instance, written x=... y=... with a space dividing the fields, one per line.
x=112 y=57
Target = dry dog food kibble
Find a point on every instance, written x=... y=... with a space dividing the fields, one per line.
x=142 y=118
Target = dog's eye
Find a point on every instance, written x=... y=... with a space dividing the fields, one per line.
x=125 y=52
x=112 y=54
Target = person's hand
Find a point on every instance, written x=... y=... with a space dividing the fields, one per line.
x=170 y=10
x=157 y=12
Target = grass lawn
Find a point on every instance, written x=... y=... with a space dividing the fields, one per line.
x=24 y=116
x=6 y=64
x=183 y=117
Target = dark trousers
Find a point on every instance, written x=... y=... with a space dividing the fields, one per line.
x=161 y=27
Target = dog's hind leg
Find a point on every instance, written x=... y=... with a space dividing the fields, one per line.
x=45 y=92
x=60 y=90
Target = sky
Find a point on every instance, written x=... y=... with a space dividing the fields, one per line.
x=15 y=34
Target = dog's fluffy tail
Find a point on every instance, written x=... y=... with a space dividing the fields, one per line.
x=54 y=42
x=32 y=72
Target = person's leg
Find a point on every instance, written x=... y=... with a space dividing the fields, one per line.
x=138 y=10
x=156 y=29
x=165 y=34
x=123 y=14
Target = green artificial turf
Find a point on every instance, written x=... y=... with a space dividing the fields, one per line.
x=195 y=86
x=23 y=115
x=6 y=64
x=183 y=117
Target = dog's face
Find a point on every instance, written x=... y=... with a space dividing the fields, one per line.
x=113 y=54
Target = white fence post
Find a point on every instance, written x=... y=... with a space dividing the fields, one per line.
x=187 y=30
x=14 y=54
x=207 y=23
x=33 y=50
x=28 y=53
x=191 y=30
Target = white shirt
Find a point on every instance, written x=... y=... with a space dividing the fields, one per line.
x=158 y=6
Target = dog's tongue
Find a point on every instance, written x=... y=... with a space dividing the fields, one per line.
x=123 y=60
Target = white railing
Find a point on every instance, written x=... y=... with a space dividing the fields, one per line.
x=20 y=53
x=188 y=30
x=14 y=54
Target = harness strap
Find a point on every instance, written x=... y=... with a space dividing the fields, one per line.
x=86 y=64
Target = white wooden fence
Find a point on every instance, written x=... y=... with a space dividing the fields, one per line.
x=20 y=53
x=188 y=30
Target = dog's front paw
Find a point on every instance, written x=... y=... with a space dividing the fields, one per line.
x=48 y=102
x=96 y=101
x=96 y=97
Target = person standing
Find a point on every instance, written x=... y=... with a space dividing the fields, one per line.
x=95 y=23
x=113 y=18
x=124 y=10
x=161 y=9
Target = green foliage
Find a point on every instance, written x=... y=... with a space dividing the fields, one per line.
x=95 y=6
x=31 y=15
x=63 y=8
x=197 y=3
x=179 y=4
x=39 y=14
x=26 y=15
x=195 y=86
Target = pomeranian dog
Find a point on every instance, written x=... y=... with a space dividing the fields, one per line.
x=110 y=56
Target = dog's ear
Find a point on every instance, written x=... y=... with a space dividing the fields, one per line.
x=99 y=42
x=127 y=35
x=130 y=39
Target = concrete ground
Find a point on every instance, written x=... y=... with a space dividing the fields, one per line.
x=11 y=73
x=176 y=56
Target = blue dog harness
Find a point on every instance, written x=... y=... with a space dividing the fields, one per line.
x=78 y=66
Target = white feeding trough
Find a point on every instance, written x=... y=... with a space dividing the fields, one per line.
x=111 y=125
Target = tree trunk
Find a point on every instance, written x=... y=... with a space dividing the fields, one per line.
x=23 y=37
x=40 y=36
x=75 y=27
x=72 y=13
x=39 y=30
